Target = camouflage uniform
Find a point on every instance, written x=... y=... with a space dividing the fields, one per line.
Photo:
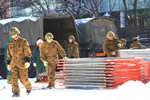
x=123 y=43
x=123 y=47
x=18 y=54
x=136 y=45
x=73 y=50
x=49 y=52
x=111 y=46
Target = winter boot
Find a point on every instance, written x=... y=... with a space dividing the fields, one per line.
x=15 y=95
x=37 y=81
x=49 y=86
x=28 y=92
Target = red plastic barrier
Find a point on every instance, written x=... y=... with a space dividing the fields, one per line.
x=145 y=72
x=131 y=69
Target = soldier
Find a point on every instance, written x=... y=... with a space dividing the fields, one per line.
x=111 y=45
x=49 y=53
x=18 y=60
x=136 y=43
x=36 y=58
x=123 y=43
x=73 y=48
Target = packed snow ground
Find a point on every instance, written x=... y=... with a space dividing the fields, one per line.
x=129 y=91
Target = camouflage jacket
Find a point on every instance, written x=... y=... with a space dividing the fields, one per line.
x=49 y=51
x=73 y=50
x=123 y=47
x=110 y=46
x=136 y=45
x=18 y=52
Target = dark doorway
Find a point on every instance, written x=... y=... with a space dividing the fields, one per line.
x=61 y=28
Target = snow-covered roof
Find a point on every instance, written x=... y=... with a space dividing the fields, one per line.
x=20 y=19
x=107 y=14
x=83 y=20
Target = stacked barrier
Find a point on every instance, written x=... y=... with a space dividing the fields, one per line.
x=101 y=72
x=86 y=73
x=128 y=53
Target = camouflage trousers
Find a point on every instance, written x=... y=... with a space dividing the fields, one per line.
x=51 y=69
x=21 y=74
x=9 y=79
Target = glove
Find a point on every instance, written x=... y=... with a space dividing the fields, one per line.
x=45 y=63
x=34 y=64
x=119 y=45
x=65 y=58
x=9 y=67
x=27 y=65
x=113 y=53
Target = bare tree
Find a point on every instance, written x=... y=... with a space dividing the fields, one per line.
x=19 y=8
x=79 y=7
x=45 y=6
x=73 y=6
x=4 y=9
x=112 y=5
x=93 y=6
x=125 y=6
x=135 y=11
x=38 y=7
x=134 y=4
x=20 y=3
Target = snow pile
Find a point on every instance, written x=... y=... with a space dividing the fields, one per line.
x=129 y=91
x=134 y=91
x=132 y=85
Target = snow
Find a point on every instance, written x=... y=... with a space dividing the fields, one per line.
x=20 y=19
x=129 y=91
x=106 y=14
x=83 y=20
